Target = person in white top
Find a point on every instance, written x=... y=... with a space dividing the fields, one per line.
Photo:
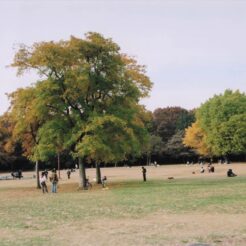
x=202 y=169
x=43 y=182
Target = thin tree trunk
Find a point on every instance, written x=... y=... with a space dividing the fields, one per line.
x=148 y=159
x=37 y=175
x=58 y=164
x=98 y=171
x=82 y=174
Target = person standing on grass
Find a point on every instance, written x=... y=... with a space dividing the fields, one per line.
x=68 y=174
x=54 y=181
x=43 y=182
x=144 y=171
x=46 y=173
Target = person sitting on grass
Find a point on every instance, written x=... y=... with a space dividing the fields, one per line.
x=211 y=169
x=202 y=170
x=104 y=180
x=87 y=183
x=230 y=173
x=20 y=174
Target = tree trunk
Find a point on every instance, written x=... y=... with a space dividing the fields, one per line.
x=37 y=175
x=82 y=175
x=58 y=165
x=148 y=159
x=98 y=170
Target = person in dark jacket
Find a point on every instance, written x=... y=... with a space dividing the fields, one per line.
x=230 y=173
x=144 y=171
x=68 y=174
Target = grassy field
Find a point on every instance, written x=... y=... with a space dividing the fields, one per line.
x=159 y=212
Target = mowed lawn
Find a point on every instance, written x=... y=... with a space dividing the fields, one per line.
x=159 y=212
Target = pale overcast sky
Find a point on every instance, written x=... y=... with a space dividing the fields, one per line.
x=192 y=49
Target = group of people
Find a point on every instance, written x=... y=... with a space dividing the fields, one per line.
x=211 y=169
x=17 y=174
x=53 y=179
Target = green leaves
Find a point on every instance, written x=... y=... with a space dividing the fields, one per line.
x=107 y=139
x=222 y=121
x=231 y=136
x=87 y=100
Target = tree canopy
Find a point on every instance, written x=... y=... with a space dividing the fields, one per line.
x=220 y=125
x=87 y=97
x=169 y=124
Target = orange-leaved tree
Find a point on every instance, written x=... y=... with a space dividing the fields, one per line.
x=195 y=138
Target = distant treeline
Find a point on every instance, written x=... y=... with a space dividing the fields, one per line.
x=166 y=129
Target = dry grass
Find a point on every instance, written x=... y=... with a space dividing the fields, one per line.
x=207 y=208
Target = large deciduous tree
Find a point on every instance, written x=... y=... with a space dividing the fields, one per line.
x=169 y=124
x=167 y=121
x=195 y=138
x=108 y=139
x=88 y=83
x=220 y=125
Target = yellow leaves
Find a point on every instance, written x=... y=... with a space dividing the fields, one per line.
x=136 y=73
x=23 y=103
x=195 y=138
x=6 y=127
x=26 y=117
